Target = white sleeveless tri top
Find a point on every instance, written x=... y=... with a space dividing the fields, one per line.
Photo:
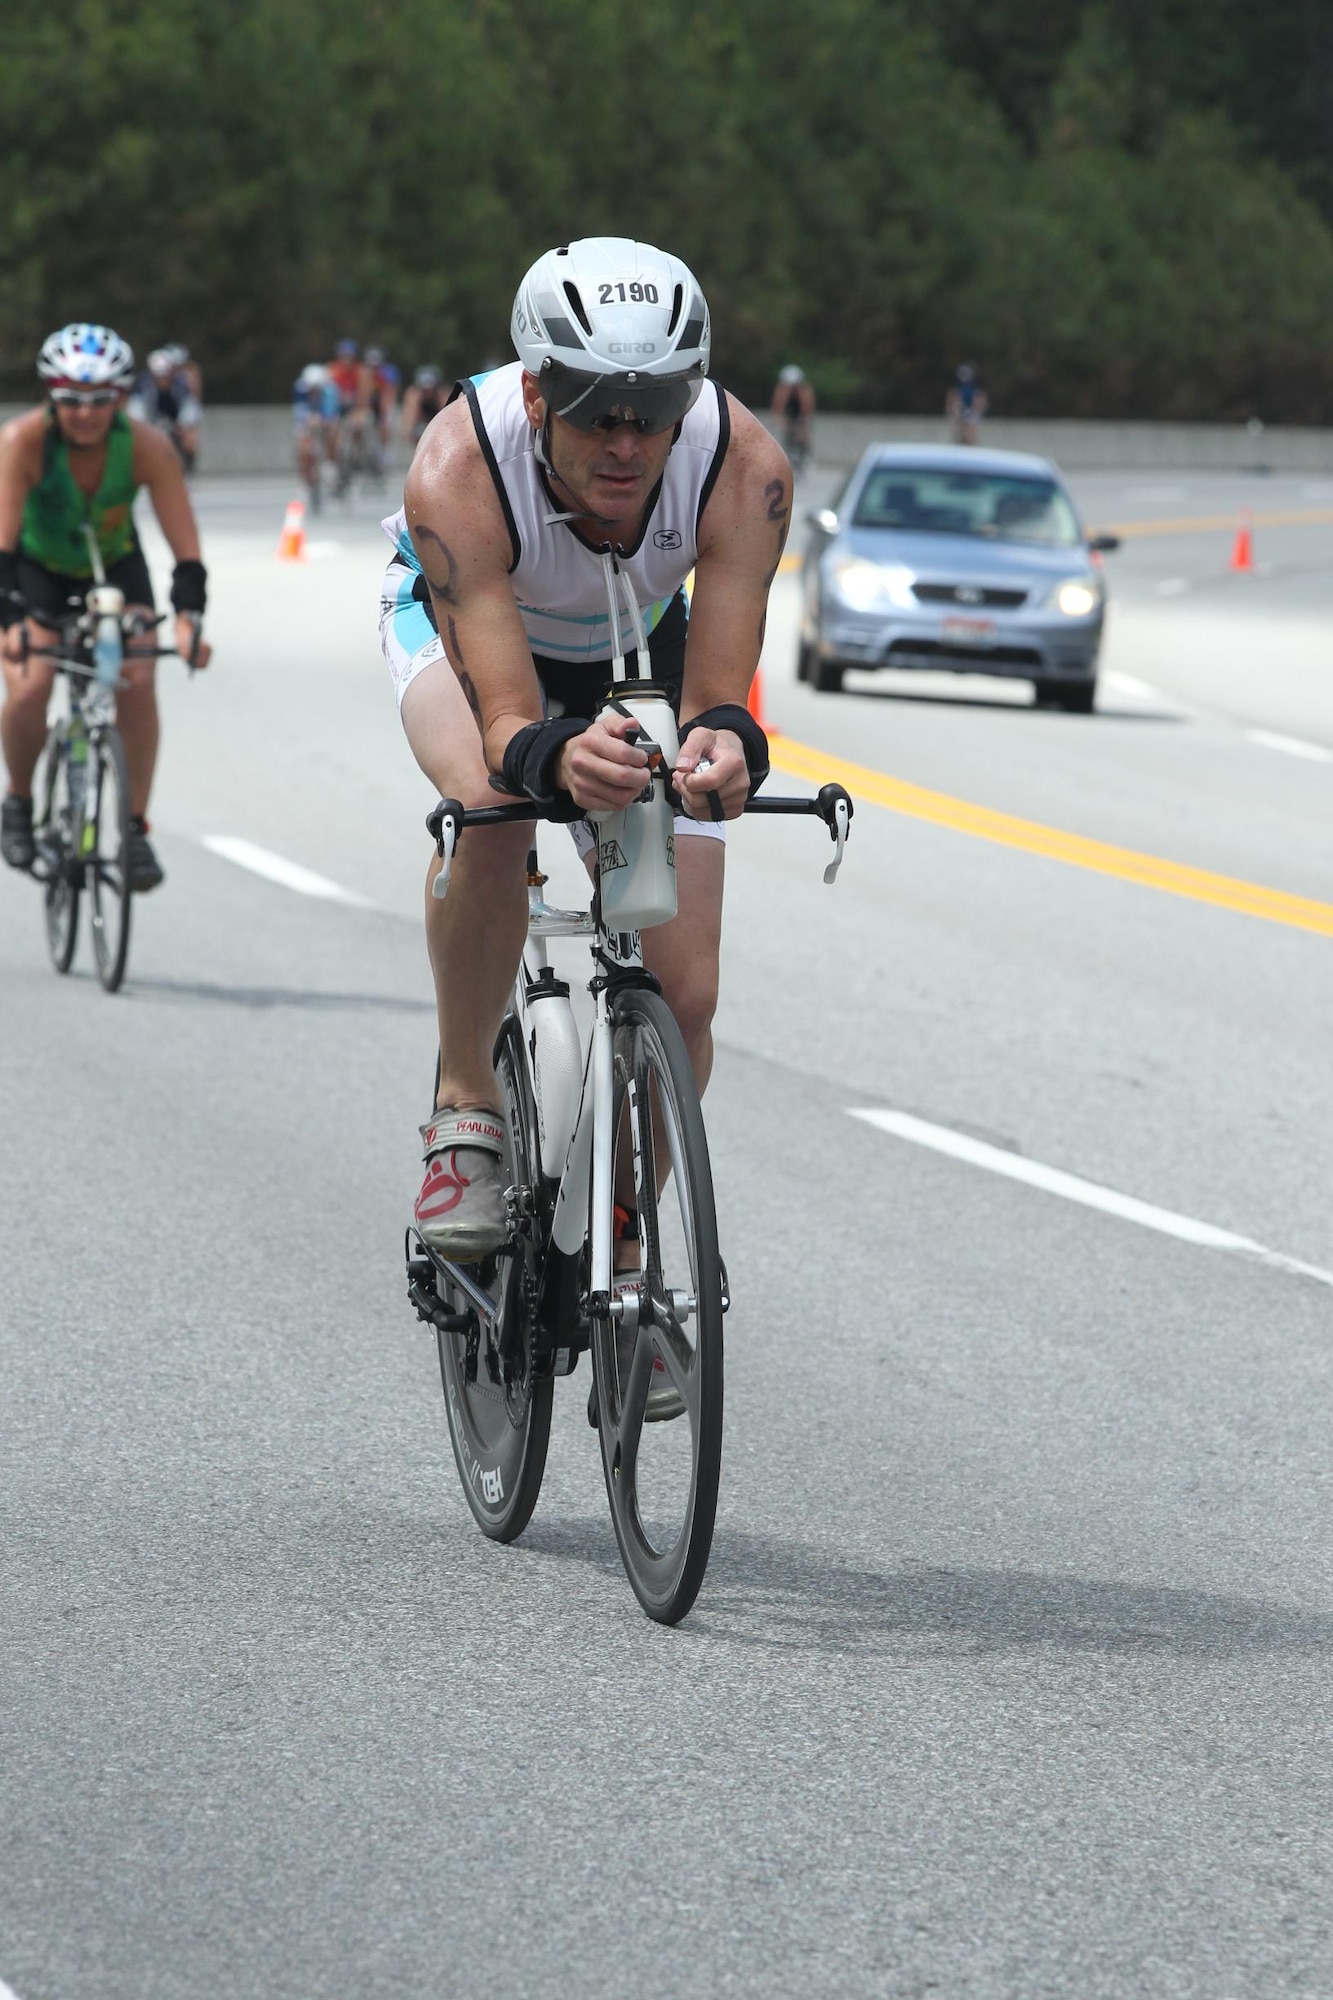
x=558 y=576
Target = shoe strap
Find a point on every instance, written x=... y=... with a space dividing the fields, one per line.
x=450 y=1128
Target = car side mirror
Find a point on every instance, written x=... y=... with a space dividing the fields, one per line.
x=1103 y=545
x=824 y=519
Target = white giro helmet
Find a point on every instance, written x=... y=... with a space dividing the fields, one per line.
x=82 y=356
x=616 y=332
x=313 y=376
x=791 y=374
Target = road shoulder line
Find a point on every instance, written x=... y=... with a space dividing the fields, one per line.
x=287 y=874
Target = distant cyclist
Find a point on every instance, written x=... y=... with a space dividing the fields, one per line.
x=345 y=374
x=378 y=394
x=79 y=461
x=966 y=405
x=423 y=402
x=315 y=409
x=166 y=395
x=794 y=402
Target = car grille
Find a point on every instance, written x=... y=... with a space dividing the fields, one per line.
x=980 y=656
x=970 y=595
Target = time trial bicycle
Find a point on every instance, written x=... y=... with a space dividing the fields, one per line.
x=597 y=1135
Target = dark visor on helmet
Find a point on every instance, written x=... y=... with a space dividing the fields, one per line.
x=649 y=403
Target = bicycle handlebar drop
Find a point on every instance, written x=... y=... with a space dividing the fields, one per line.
x=445 y=823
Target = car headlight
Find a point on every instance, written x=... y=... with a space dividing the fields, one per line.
x=864 y=584
x=1076 y=600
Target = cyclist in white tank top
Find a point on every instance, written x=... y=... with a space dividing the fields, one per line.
x=604 y=449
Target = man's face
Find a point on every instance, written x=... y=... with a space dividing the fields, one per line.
x=84 y=425
x=609 y=473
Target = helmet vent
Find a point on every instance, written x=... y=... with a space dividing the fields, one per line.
x=677 y=301
x=576 y=307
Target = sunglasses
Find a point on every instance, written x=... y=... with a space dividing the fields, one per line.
x=86 y=399
x=647 y=404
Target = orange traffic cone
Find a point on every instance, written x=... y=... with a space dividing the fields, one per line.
x=755 y=703
x=291 y=542
x=1242 y=552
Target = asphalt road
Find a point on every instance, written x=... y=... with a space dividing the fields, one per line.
x=1009 y=1677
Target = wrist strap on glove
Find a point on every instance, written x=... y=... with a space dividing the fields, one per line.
x=530 y=760
x=730 y=715
x=189 y=585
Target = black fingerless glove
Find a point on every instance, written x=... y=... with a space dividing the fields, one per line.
x=11 y=604
x=730 y=715
x=189 y=585
x=530 y=760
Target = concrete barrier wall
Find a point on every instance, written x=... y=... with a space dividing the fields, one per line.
x=257 y=439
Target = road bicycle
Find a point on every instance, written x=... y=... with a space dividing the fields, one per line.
x=596 y=1133
x=81 y=808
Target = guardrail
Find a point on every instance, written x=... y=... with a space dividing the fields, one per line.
x=256 y=439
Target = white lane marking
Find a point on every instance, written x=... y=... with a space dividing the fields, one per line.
x=1052 y=1180
x=274 y=868
x=1131 y=685
x=1171 y=586
x=7 y=1992
x=317 y=549
x=1292 y=745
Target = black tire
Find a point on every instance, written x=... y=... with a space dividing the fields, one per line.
x=1077 y=700
x=107 y=858
x=804 y=656
x=827 y=675
x=499 y=1409
x=54 y=831
x=663 y=1485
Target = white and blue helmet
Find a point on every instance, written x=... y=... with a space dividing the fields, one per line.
x=614 y=331
x=85 y=356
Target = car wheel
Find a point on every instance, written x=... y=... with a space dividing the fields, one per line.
x=803 y=658
x=1077 y=700
x=827 y=675
x=1043 y=694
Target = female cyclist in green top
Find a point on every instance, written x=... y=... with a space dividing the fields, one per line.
x=80 y=460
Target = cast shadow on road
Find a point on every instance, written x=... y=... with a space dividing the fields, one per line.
x=765 y=1591
x=260 y=997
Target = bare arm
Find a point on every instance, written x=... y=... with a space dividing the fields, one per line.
x=20 y=469
x=741 y=539
x=157 y=467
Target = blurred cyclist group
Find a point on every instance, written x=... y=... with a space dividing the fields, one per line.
x=344 y=411
x=169 y=394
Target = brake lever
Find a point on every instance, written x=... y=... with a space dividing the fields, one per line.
x=835 y=809
x=446 y=823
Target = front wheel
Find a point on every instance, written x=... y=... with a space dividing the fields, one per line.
x=497 y=1398
x=55 y=829
x=106 y=858
x=664 y=1351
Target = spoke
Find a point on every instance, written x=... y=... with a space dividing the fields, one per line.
x=632 y=1401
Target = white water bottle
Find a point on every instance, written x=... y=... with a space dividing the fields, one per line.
x=557 y=1069
x=107 y=604
x=636 y=847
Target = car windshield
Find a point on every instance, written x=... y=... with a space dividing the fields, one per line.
x=998 y=506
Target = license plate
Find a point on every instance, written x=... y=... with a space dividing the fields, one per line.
x=969 y=631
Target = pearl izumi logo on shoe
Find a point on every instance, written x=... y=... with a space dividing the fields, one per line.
x=610 y=855
x=667 y=538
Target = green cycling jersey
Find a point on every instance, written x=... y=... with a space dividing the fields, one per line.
x=57 y=508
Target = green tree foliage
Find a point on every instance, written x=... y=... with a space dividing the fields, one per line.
x=1081 y=198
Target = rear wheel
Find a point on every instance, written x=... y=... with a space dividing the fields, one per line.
x=106 y=858
x=54 y=831
x=827 y=675
x=497 y=1399
x=662 y=1477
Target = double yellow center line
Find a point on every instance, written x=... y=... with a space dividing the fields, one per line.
x=1249 y=899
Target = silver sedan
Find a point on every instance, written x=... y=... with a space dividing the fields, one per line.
x=945 y=557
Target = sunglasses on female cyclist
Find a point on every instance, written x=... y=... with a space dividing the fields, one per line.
x=648 y=404
x=86 y=399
